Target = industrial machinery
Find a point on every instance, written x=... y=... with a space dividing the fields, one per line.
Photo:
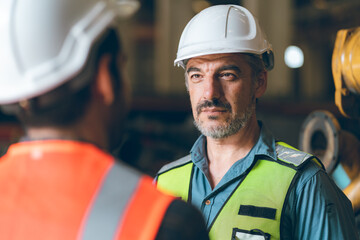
x=346 y=72
x=335 y=141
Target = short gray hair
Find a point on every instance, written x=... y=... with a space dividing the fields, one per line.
x=256 y=63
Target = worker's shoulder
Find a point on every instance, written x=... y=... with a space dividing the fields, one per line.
x=293 y=157
x=175 y=164
x=308 y=167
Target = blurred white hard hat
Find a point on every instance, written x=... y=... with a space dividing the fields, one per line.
x=223 y=29
x=44 y=43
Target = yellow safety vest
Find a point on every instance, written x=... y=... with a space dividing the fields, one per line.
x=256 y=205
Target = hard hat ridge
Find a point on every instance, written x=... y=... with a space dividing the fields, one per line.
x=222 y=29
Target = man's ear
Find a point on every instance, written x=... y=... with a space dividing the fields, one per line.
x=261 y=84
x=103 y=83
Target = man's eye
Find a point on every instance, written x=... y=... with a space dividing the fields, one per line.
x=227 y=76
x=195 y=76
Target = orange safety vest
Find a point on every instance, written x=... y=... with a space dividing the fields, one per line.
x=57 y=189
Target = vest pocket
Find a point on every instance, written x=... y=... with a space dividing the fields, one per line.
x=254 y=234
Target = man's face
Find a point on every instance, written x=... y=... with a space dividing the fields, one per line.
x=222 y=92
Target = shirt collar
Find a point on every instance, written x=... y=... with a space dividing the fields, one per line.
x=266 y=143
x=264 y=146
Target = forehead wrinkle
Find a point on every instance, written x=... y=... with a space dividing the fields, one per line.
x=210 y=60
x=215 y=57
x=203 y=66
x=217 y=62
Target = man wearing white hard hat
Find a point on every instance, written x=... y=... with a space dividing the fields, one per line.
x=61 y=74
x=247 y=184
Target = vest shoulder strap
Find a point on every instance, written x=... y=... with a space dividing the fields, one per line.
x=293 y=157
x=175 y=164
x=175 y=178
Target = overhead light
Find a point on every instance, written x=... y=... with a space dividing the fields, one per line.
x=294 y=57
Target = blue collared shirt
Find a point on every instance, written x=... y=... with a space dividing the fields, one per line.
x=316 y=207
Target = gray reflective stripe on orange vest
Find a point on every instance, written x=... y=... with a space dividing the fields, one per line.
x=110 y=203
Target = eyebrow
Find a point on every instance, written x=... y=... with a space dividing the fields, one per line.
x=230 y=67
x=193 y=69
x=226 y=67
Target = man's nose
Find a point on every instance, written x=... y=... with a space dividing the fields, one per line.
x=212 y=89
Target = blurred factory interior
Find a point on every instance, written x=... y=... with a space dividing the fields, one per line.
x=160 y=127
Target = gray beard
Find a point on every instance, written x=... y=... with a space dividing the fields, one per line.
x=230 y=128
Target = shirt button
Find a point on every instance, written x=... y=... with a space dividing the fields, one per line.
x=207 y=202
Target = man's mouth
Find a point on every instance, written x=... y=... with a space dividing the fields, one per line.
x=213 y=110
x=213 y=106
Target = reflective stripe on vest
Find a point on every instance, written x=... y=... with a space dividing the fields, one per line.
x=177 y=182
x=125 y=211
x=256 y=203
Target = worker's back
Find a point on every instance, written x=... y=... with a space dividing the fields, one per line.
x=57 y=189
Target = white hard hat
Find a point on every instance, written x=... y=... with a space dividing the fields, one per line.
x=223 y=29
x=44 y=43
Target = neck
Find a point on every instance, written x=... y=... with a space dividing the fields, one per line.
x=75 y=132
x=50 y=133
x=223 y=153
x=89 y=128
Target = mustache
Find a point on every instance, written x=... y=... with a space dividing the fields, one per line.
x=212 y=103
